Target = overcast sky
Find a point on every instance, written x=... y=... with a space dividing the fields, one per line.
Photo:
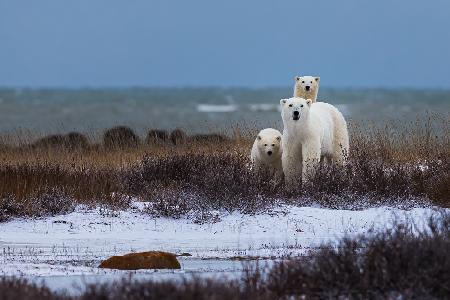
x=349 y=43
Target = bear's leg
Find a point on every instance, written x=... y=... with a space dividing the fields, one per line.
x=311 y=158
x=340 y=142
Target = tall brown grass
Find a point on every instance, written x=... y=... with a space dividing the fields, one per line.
x=388 y=164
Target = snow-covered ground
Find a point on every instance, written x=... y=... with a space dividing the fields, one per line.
x=65 y=249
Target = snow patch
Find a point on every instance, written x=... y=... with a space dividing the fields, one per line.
x=76 y=243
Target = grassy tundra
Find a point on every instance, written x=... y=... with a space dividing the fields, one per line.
x=389 y=164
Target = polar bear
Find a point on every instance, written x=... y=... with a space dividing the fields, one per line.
x=306 y=87
x=266 y=153
x=312 y=131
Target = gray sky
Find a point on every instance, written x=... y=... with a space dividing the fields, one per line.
x=349 y=43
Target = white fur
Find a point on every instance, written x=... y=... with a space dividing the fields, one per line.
x=320 y=132
x=301 y=84
x=268 y=139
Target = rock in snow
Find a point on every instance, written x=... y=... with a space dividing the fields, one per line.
x=142 y=260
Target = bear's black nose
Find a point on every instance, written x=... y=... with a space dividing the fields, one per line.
x=307 y=87
x=296 y=113
x=269 y=152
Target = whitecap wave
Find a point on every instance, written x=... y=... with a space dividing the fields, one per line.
x=217 y=108
x=263 y=107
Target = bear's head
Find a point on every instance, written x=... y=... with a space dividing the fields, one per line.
x=307 y=84
x=295 y=110
x=269 y=143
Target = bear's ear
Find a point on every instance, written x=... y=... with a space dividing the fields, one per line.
x=297 y=78
x=278 y=138
x=309 y=102
x=317 y=79
x=283 y=101
x=259 y=137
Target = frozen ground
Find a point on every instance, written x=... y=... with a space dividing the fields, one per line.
x=66 y=250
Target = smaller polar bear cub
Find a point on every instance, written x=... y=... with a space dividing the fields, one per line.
x=307 y=87
x=266 y=152
x=312 y=131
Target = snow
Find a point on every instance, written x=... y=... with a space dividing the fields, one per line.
x=74 y=244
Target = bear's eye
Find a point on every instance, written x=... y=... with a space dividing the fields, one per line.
x=311 y=81
x=273 y=145
x=290 y=105
x=303 y=81
x=301 y=105
x=265 y=145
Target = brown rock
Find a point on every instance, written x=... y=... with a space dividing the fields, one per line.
x=142 y=260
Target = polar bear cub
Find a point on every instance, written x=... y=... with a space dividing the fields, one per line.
x=306 y=87
x=312 y=131
x=266 y=152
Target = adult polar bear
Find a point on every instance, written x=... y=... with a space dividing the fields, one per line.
x=307 y=87
x=312 y=131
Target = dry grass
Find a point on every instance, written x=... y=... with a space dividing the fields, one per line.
x=396 y=264
x=427 y=138
x=15 y=288
x=388 y=164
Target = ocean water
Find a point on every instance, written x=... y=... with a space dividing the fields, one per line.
x=196 y=110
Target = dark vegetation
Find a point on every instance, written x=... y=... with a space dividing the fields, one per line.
x=120 y=137
x=178 y=137
x=157 y=137
x=15 y=288
x=397 y=164
x=393 y=264
x=400 y=263
x=72 y=141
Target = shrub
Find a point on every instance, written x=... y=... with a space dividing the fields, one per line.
x=203 y=180
x=120 y=137
x=76 y=141
x=397 y=263
x=50 y=141
x=178 y=137
x=157 y=137
x=71 y=142
x=15 y=288
x=197 y=289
